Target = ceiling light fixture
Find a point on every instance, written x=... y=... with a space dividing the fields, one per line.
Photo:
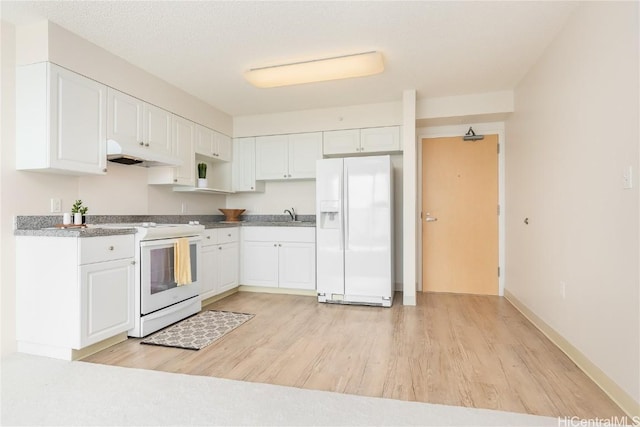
x=317 y=70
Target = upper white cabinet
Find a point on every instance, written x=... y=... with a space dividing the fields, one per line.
x=157 y=129
x=244 y=166
x=378 y=140
x=341 y=142
x=294 y=156
x=213 y=144
x=183 y=137
x=131 y=121
x=124 y=118
x=362 y=141
x=61 y=121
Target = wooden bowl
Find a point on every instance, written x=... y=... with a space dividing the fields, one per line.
x=231 y=215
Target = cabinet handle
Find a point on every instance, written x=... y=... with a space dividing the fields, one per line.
x=133 y=263
x=146 y=145
x=104 y=170
x=175 y=180
x=208 y=237
x=141 y=143
x=275 y=245
x=279 y=244
x=229 y=235
x=285 y=175
x=111 y=248
x=220 y=247
x=252 y=188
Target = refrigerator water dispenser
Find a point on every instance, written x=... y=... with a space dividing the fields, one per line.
x=330 y=214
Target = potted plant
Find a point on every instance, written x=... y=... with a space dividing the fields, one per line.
x=202 y=175
x=78 y=212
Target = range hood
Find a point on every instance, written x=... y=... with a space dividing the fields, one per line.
x=138 y=155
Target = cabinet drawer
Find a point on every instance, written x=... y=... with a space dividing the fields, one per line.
x=106 y=248
x=280 y=234
x=228 y=235
x=210 y=237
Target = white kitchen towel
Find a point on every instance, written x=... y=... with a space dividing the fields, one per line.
x=182 y=262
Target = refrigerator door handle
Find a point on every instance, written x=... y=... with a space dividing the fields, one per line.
x=345 y=208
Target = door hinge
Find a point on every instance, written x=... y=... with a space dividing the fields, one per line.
x=498 y=271
x=498 y=148
x=498 y=209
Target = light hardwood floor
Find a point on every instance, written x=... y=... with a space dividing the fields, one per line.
x=463 y=350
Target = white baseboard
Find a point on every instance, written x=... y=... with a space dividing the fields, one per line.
x=613 y=390
x=218 y=297
x=69 y=353
x=267 y=290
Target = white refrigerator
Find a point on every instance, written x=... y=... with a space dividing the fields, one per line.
x=354 y=230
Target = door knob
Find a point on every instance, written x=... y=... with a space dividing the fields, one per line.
x=429 y=218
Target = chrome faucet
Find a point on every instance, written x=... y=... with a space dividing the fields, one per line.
x=292 y=213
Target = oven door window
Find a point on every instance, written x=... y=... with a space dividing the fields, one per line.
x=162 y=268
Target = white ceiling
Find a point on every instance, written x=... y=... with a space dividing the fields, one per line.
x=438 y=48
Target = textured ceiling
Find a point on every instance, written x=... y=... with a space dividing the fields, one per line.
x=438 y=48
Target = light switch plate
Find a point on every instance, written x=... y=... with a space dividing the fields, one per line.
x=56 y=205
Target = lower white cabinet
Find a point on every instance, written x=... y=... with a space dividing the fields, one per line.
x=279 y=257
x=220 y=266
x=80 y=292
x=106 y=300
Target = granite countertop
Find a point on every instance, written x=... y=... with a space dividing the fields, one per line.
x=278 y=224
x=44 y=225
x=75 y=232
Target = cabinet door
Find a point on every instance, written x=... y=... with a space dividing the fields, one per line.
x=124 y=118
x=209 y=271
x=228 y=267
x=78 y=132
x=222 y=145
x=271 y=157
x=244 y=166
x=260 y=264
x=380 y=140
x=157 y=129
x=297 y=265
x=107 y=299
x=183 y=141
x=341 y=142
x=304 y=150
x=204 y=141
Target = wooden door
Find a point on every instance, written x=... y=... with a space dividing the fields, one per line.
x=460 y=215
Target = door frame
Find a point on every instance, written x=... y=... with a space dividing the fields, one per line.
x=489 y=128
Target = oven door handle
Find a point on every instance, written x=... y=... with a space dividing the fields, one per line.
x=170 y=241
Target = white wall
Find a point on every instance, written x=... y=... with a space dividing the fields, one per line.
x=465 y=105
x=350 y=117
x=574 y=131
x=123 y=190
